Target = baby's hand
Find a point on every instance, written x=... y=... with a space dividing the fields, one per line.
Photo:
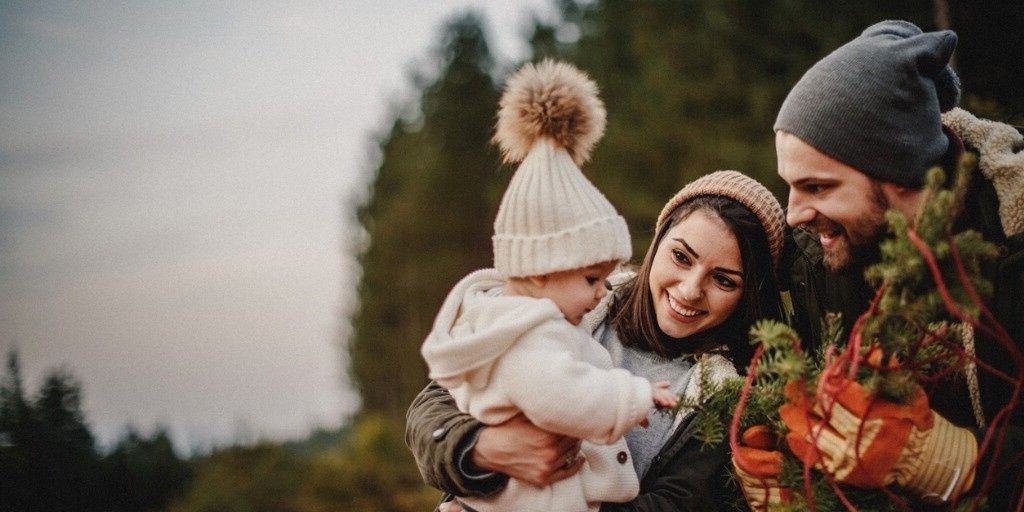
x=664 y=398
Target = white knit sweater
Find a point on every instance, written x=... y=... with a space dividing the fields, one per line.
x=502 y=355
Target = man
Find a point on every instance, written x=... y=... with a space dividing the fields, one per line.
x=854 y=138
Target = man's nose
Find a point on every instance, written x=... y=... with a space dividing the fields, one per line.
x=798 y=212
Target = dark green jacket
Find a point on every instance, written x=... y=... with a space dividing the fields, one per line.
x=685 y=475
x=815 y=291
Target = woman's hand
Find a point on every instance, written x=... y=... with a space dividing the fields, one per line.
x=522 y=451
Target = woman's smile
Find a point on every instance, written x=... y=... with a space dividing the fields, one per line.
x=682 y=312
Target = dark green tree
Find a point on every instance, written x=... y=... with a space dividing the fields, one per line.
x=990 y=70
x=66 y=448
x=17 y=427
x=428 y=219
x=47 y=454
x=693 y=86
x=143 y=473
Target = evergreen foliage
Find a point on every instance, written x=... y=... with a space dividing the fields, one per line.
x=691 y=87
x=429 y=218
x=370 y=470
x=49 y=461
x=144 y=473
x=907 y=339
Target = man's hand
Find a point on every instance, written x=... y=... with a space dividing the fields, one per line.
x=866 y=441
x=522 y=451
x=450 y=506
x=758 y=466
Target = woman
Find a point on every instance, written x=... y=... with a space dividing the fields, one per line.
x=683 y=317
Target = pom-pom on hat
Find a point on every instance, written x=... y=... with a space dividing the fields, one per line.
x=551 y=217
x=744 y=190
x=875 y=102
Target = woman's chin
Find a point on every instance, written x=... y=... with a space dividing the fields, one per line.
x=677 y=328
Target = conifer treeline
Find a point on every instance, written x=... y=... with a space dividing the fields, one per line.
x=49 y=460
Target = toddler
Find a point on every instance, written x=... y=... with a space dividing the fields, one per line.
x=508 y=340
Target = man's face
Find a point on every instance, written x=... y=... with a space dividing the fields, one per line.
x=844 y=207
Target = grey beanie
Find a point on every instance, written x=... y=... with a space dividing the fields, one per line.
x=875 y=102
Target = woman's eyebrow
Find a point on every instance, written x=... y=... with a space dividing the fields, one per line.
x=697 y=256
x=688 y=248
x=729 y=271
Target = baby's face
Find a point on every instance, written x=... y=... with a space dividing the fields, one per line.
x=577 y=292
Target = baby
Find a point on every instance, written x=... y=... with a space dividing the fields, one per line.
x=507 y=340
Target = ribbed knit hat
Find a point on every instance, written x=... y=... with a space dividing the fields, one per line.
x=551 y=217
x=744 y=190
x=875 y=102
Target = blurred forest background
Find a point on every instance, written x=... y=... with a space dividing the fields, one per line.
x=691 y=86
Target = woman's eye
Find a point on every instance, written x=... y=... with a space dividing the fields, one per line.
x=591 y=281
x=726 y=282
x=680 y=257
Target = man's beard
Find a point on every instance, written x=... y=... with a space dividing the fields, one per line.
x=859 y=241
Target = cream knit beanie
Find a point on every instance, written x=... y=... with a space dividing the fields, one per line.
x=551 y=217
x=744 y=190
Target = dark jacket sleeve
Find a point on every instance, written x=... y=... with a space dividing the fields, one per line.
x=1007 y=477
x=437 y=434
x=686 y=476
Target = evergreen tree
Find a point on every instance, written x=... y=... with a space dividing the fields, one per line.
x=990 y=73
x=17 y=431
x=143 y=473
x=48 y=460
x=693 y=86
x=65 y=450
x=429 y=218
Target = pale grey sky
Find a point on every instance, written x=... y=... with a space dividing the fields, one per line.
x=171 y=181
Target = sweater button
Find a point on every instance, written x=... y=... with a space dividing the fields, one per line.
x=622 y=457
x=439 y=433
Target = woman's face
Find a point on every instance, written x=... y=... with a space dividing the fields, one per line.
x=696 y=275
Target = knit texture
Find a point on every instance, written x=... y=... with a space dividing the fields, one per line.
x=875 y=102
x=551 y=217
x=742 y=189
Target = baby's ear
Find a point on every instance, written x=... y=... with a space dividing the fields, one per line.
x=538 y=281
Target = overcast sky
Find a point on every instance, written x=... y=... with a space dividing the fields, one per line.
x=171 y=181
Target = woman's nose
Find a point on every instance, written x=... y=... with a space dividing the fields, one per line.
x=690 y=288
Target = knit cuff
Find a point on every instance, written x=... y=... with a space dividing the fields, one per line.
x=944 y=467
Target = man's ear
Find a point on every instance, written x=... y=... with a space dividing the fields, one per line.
x=904 y=199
